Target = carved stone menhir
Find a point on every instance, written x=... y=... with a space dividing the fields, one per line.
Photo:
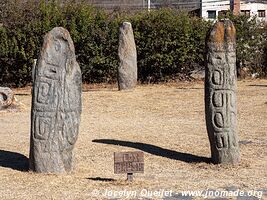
x=127 y=70
x=56 y=105
x=220 y=93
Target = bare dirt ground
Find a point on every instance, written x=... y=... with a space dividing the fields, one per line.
x=166 y=122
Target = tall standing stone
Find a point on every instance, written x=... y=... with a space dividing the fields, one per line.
x=220 y=93
x=127 y=70
x=56 y=105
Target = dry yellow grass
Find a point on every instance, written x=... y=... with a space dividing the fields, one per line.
x=165 y=121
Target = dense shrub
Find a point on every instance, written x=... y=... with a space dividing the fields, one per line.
x=251 y=43
x=170 y=44
x=264 y=68
x=25 y=23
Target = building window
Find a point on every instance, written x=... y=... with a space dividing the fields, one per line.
x=245 y=12
x=261 y=13
x=212 y=14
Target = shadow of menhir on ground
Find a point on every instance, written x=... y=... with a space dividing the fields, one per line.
x=158 y=151
x=254 y=85
x=14 y=160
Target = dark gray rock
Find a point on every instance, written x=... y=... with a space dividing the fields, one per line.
x=246 y=197
x=178 y=196
x=245 y=142
x=220 y=93
x=6 y=97
x=197 y=74
x=33 y=68
x=56 y=105
x=264 y=191
x=127 y=70
x=231 y=188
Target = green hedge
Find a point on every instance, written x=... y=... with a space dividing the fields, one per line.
x=170 y=44
x=251 y=44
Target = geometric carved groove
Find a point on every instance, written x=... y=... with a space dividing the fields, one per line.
x=219 y=120
x=222 y=140
x=42 y=127
x=223 y=103
x=218 y=99
x=51 y=72
x=43 y=93
x=217 y=77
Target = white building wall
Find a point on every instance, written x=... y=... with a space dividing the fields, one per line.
x=254 y=8
x=214 y=5
x=220 y=5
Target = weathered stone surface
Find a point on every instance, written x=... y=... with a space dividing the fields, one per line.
x=220 y=93
x=33 y=68
x=127 y=70
x=56 y=105
x=197 y=74
x=8 y=101
x=6 y=97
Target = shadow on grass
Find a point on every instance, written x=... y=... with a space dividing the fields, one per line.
x=14 y=160
x=189 y=88
x=101 y=179
x=158 y=151
x=23 y=94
